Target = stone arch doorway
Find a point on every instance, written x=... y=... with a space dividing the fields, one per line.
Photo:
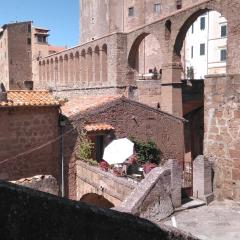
x=201 y=47
x=96 y=200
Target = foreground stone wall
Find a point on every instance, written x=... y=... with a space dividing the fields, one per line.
x=222 y=133
x=27 y=214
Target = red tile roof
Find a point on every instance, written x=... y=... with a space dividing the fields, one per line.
x=29 y=98
x=98 y=127
x=84 y=103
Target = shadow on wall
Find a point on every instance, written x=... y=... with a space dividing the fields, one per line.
x=96 y=200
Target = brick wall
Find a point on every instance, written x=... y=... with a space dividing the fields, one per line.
x=23 y=129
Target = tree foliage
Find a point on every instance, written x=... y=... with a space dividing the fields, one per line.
x=147 y=151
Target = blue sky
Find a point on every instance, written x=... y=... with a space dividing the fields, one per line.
x=60 y=16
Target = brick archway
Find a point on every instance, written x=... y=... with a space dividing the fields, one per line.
x=96 y=200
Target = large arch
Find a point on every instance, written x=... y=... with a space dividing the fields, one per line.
x=145 y=57
x=96 y=200
x=192 y=100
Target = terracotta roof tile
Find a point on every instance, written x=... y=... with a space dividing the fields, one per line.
x=84 y=103
x=29 y=98
x=98 y=127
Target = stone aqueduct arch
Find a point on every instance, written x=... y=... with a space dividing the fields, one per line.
x=170 y=32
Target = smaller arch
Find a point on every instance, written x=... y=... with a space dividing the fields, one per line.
x=76 y=54
x=71 y=68
x=168 y=29
x=96 y=200
x=66 y=68
x=97 y=64
x=104 y=63
x=83 y=64
x=83 y=52
x=89 y=65
x=134 y=49
x=61 y=69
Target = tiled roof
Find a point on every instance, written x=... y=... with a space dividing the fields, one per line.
x=29 y=98
x=98 y=127
x=81 y=104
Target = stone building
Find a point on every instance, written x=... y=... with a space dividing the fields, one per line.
x=115 y=116
x=29 y=135
x=21 y=45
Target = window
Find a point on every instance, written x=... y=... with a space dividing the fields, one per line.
x=157 y=7
x=29 y=41
x=29 y=28
x=193 y=28
x=202 y=23
x=178 y=4
x=223 y=30
x=192 y=52
x=223 y=55
x=131 y=11
x=202 y=49
x=40 y=39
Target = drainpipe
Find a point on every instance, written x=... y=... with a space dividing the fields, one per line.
x=62 y=124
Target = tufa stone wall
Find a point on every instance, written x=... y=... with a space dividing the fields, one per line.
x=222 y=133
x=27 y=214
x=23 y=131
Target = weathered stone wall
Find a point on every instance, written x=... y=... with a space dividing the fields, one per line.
x=156 y=196
x=19 y=55
x=29 y=142
x=93 y=180
x=27 y=214
x=149 y=92
x=222 y=133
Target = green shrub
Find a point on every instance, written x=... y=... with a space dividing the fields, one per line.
x=85 y=149
x=147 y=151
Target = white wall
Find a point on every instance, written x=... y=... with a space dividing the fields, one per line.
x=210 y=62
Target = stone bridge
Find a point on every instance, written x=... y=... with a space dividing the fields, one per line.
x=161 y=188
x=93 y=184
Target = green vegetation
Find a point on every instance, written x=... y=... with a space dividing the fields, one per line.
x=85 y=149
x=147 y=151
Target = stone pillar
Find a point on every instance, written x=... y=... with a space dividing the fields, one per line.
x=202 y=179
x=171 y=93
x=176 y=182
